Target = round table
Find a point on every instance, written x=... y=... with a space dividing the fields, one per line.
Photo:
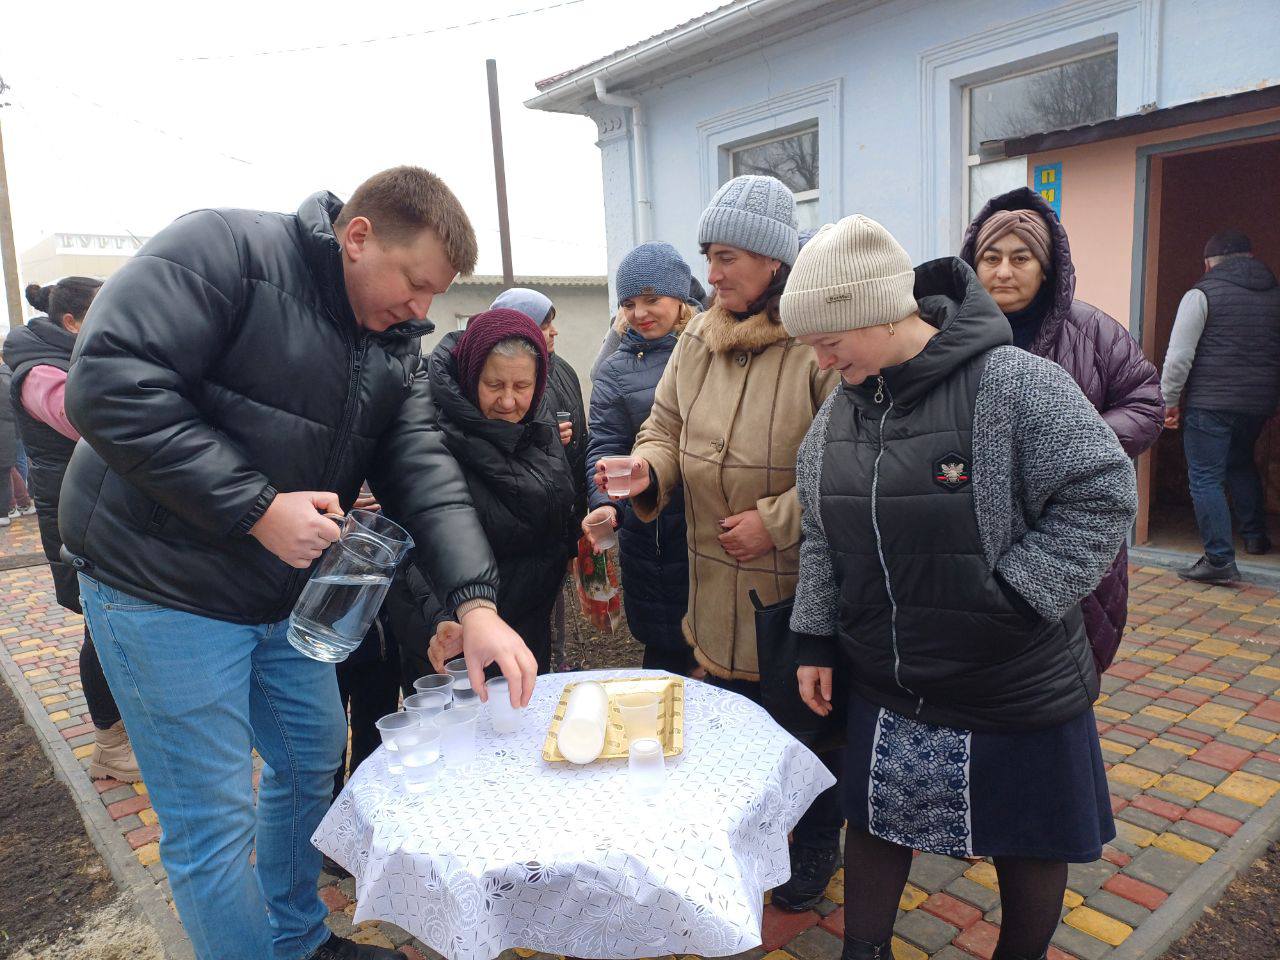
x=519 y=852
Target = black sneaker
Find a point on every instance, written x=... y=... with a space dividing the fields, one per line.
x=811 y=870
x=1257 y=545
x=1204 y=571
x=336 y=948
x=861 y=950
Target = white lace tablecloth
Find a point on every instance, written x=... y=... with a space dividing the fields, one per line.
x=562 y=859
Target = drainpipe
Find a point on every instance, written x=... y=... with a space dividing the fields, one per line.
x=644 y=207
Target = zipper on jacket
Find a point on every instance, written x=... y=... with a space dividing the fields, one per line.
x=881 y=393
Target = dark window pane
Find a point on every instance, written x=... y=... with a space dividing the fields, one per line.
x=1068 y=95
x=793 y=160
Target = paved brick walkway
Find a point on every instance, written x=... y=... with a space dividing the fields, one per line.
x=1188 y=718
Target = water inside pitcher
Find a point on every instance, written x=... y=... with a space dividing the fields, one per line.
x=347 y=586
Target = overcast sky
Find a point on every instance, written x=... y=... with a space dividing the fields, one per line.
x=125 y=115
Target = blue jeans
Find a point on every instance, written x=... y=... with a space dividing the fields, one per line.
x=197 y=695
x=1219 y=448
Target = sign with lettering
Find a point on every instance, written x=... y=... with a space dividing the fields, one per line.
x=1048 y=183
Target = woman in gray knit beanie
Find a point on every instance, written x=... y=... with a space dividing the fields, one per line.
x=728 y=415
x=960 y=497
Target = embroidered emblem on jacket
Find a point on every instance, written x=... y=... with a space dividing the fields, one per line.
x=951 y=472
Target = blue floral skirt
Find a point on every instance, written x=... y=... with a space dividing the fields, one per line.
x=1039 y=793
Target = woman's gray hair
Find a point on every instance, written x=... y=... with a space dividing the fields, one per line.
x=515 y=347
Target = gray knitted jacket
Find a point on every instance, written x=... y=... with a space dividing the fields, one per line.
x=1054 y=495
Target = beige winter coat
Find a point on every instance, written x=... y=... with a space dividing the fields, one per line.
x=730 y=411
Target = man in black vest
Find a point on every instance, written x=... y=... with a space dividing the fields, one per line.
x=1223 y=369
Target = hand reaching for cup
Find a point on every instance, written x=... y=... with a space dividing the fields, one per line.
x=636 y=482
x=598 y=525
x=445 y=645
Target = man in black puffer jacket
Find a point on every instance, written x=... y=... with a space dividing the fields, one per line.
x=235 y=382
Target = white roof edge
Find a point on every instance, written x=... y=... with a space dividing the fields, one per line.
x=527 y=280
x=704 y=34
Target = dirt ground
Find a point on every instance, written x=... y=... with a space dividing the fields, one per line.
x=586 y=648
x=1245 y=923
x=53 y=875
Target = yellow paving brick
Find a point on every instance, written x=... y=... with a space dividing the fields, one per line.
x=1139 y=836
x=1255 y=618
x=1071 y=899
x=140 y=788
x=1121 y=748
x=1257 y=735
x=59 y=715
x=1106 y=713
x=1182 y=786
x=1256 y=656
x=1134 y=776
x=1187 y=849
x=7 y=631
x=835 y=887
x=148 y=854
x=776 y=955
x=1166 y=678
x=902 y=950
x=82 y=752
x=1161 y=570
x=522 y=952
x=1192 y=634
x=1150 y=628
x=1214 y=647
x=53 y=698
x=148 y=817
x=1098 y=925
x=1163 y=713
x=371 y=935
x=1152 y=656
x=1173 y=745
x=911 y=897
x=1238 y=607
x=1271 y=673
x=1215 y=714
x=1248 y=787
x=985 y=874
x=1204 y=683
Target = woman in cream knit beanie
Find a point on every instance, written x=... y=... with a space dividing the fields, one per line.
x=958 y=499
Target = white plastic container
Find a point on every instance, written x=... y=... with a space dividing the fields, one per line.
x=581 y=737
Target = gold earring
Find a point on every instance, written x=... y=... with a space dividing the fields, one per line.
x=891 y=328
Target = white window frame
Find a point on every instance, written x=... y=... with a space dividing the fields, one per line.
x=803 y=196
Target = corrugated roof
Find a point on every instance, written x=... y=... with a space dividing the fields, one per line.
x=495 y=280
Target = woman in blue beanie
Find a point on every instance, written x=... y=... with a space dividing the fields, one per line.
x=652 y=283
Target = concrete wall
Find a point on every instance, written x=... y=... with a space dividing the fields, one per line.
x=885 y=85
x=582 y=317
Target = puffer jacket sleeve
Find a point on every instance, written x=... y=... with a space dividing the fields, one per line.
x=419 y=483
x=658 y=440
x=153 y=332
x=610 y=432
x=1134 y=406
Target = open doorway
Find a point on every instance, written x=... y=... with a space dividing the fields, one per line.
x=1193 y=194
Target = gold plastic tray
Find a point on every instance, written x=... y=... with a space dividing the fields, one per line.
x=670 y=717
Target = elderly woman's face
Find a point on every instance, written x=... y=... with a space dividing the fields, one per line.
x=651 y=317
x=739 y=276
x=505 y=390
x=856 y=354
x=1010 y=272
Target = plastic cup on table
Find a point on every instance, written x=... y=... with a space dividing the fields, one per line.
x=617 y=475
x=458 y=735
x=462 y=691
x=603 y=534
x=640 y=714
x=424 y=706
x=504 y=717
x=421 y=761
x=399 y=731
x=434 y=683
x=646 y=767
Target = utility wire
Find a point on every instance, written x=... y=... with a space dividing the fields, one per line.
x=369 y=41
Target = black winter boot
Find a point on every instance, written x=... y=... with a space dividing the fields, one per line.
x=811 y=870
x=861 y=950
x=336 y=948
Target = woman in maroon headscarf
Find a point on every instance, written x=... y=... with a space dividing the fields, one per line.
x=487 y=384
x=1018 y=248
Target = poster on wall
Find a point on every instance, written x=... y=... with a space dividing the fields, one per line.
x=1047 y=182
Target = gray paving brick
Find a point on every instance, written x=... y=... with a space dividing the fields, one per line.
x=1150 y=723
x=1160 y=869
x=1243 y=743
x=1128 y=702
x=129 y=824
x=1193 y=831
x=816 y=944
x=1258 y=684
x=1126 y=791
x=1176 y=672
x=84 y=740
x=825 y=908
x=1199 y=727
x=1150 y=681
x=1112 y=684
x=340 y=924
x=1156 y=759
x=1143 y=818
x=1262 y=723
x=1087 y=878
x=1121 y=909
x=1228 y=806
x=962 y=888
x=1234 y=665
x=925 y=930
x=1263 y=768
x=1185 y=741
x=1233 y=702
x=952 y=953
x=1080 y=944
x=1120 y=845
x=932 y=872
x=1111 y=756
x=116 y=794
x=1178 y=706
x=1128 y=739
x=1202 y=772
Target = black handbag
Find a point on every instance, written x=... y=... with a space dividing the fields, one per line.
x=777 y=652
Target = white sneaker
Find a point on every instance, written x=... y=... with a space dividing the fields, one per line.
x=15 y=513
x=28 y=510
x=5 y=521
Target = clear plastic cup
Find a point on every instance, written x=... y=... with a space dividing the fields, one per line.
x=646 y=767
x=399 y=731
x=603 y=534
x=457 y=669
x=617 y=475
x=434 y=683
x=424 y=706
x=458 y=735
x=504 y=717
x=640 y=714
x=421 y=761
